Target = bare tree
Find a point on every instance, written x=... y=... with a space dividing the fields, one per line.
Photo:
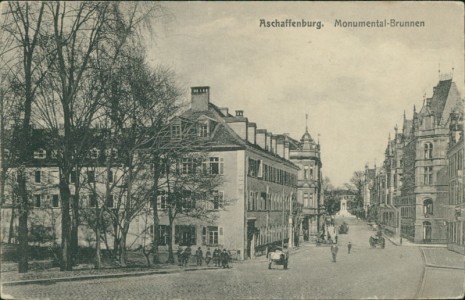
x=87 y=39
x=23 y=26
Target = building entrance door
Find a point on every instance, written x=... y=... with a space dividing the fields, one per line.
x=250 y=238
x=427 y=232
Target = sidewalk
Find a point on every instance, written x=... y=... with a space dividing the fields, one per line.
x=12 y=278
x=443 y=258
x=395 y=239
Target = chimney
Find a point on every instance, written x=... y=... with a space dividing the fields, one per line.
x=224 y=111
x=200 y=97
x=286 y=146
x=238 y=124
x=280 y=148
x=274 y=140
x=269 y=141
x=286 y=149
x=251 y=133
x=261 y=138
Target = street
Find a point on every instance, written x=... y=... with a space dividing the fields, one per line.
x=393 y=272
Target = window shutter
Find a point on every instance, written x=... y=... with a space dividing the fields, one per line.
x=221 y=199
x=220 y=236
x=260 y=168
x=221 y=171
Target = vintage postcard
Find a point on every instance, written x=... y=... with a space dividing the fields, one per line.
x=232 y=150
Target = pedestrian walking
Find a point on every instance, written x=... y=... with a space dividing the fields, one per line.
x=179 y=255
x=208 y=256
x=199 y=256
x=334 y=250
x=186 y=255
x=216 y=257
x=225 y=259
x=349 y=246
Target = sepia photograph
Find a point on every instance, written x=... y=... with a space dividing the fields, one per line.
x=232 y=150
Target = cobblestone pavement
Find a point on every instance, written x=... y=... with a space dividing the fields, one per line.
x=393 y=272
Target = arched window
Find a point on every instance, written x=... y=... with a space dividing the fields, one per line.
x=427 y=231
x=428 y=150
x=428 y=207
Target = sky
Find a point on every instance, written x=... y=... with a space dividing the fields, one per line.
x=354 y=83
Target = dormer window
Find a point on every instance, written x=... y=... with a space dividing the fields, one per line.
x=203 y=130
x=94 y=153
x=176 y=131
x=40 y=154
x=112 y=153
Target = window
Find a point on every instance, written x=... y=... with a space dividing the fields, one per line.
x=176 y=131
x=55 y=201
x=163 y=234
x=161 y=200
x=189 y=166
x=185 y=235
x=94 y=153
x=37 y=200
x=214 y=166
x=428 y=207
x=306 y=200
x=187 y=202
x=306 y=172
x=40 y=154
x=428 y=175
x=212 y=235
x=218 y=199
x=90 y=176
x=110 y=176
x=428 y=150
x=203 y=130
x=37 y=176
x=109 y=202
x=250 y=201
x=263 y=200
x=72 y=176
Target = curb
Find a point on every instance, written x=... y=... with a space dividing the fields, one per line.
x=103 y=276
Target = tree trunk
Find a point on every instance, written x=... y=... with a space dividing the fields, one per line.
x=75 y=220
x=124 y=233
x=12 y=219
x=23 y=266
x=170 y=242
x=65 y=264
x=97 y=241
x=156 y=219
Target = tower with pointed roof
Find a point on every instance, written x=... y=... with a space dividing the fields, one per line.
x=306 y=155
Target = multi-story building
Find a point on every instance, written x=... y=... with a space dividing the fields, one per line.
x=259 y=184
x=424 y=155
x=368 y=178
x=306 y=155
x=455 y=205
